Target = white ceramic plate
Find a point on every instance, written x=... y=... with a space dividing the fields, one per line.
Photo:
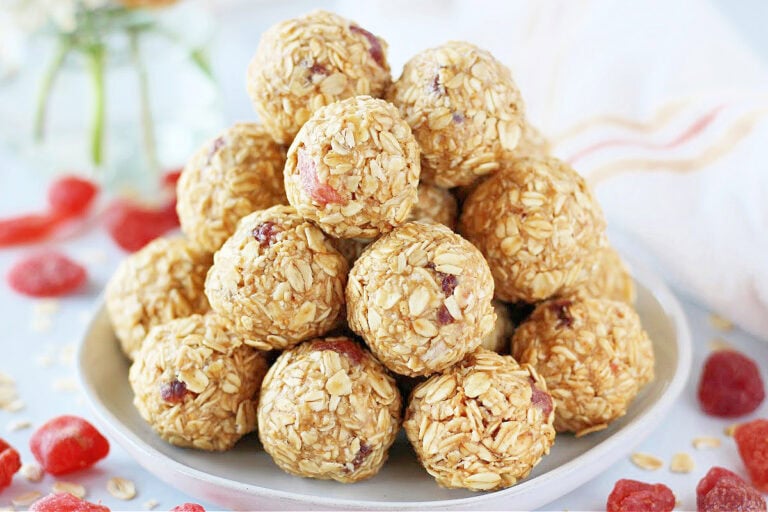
x=246 y=478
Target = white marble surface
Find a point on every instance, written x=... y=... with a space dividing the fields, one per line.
x=37 y=351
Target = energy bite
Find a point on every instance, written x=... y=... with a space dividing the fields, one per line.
x=539 y=227
x=420 y=297
x=609 y=278
x=238 y=172
x=278 y=280
x=328 y=410
x=481 y=425
x=498 y=339
x=353 y=168
x=433 y=204
x=594 y=356
x=197 y=384
x=465 y=110
x=159 y=283
x=436 y=204
x=308 y=62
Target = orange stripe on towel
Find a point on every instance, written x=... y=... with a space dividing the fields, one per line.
x=719 y=148
x=694 y=129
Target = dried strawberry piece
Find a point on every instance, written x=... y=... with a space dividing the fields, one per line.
x=730 y=385
x=29 y=228
x=634 y=496
x=752 y=440
x=173 y=392
x=65 y=502
x=361 y=455
x=723 y=490
x=48 y=274
x=133 y=226
x=561 y=308
x=10 y=462
x=319 y=192
x=343 y=346
x=376 y=51
x=265 y=233
x=66 y=444
x=71 y=196
x=541 y=399
x=188 y=507
x=444 y=316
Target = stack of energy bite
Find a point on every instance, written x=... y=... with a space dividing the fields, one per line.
x=329 y=241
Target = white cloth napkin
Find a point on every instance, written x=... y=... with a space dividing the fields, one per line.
x=659 y=104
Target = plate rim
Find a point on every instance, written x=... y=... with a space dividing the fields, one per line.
x=630 y=435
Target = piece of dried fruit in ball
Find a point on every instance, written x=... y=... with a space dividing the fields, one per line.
x=65 y=502
x=752 y=440
x=66 y=444
x=47 y=274
x=10 y=463
x=722 y=490
x=634 y=496
x=730 y=385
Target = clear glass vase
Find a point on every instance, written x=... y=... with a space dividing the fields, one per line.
x=123 y=114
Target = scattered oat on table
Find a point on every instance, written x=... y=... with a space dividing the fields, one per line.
x=646 y=461
x=70 y=487
x=150 y=504
x=25 y=499
x=121 y=488
x=681 y=463
x=16 y=425
x=730 y=430
x=43 y=312
x=67 y=354
x=66 y=384
x=705 y=442
x=719 y=344
x=719 y=322
x=32 y=472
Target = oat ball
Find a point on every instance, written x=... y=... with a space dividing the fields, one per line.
x=328 y=410
x=420 y=297
x=498 y=339
x=539 y=227
x=162 y=281
x=464 y=109
x=278 y=280
x=609 y=278
x=436 y=204
x=238 y=172
x=197 y=384
x=354 y=168
x=481 y=425
x=594 y=356
x=308 y=62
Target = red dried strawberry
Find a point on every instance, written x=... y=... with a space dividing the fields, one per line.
x=10 y=462
x=721 y=490
x=188 y=507
x=132 y=226
x=171 y=178
x=47 y=275
x=66 y=444
x=730 y=385
x=70 y=196
x=633 y=496
x=65 y=502
x=321 y=193
x=27 y=228
x=752 y=440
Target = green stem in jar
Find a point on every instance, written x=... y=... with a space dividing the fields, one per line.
x=46 y=86
x=147 y=126
x=96 y=57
